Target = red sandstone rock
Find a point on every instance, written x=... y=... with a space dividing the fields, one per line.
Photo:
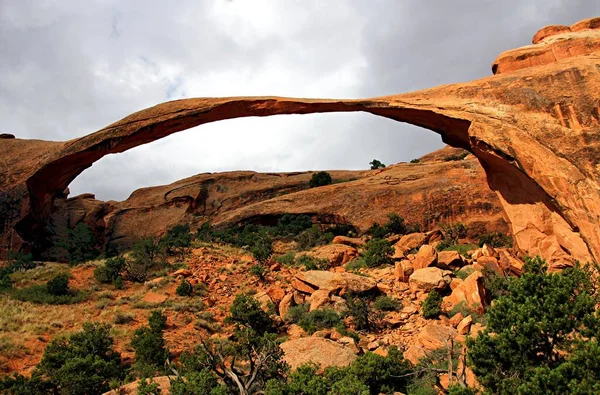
x=429 y=278
x=541 y=103
x=471 y=293
x=321 y=279
x=426 y=257
x=318 y=350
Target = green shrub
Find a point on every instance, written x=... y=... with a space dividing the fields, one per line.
x=377 y=231
x=317 y=320
x=148 y=387
x=177 y=241
x=184 y=288
x=80 y=244
x=454 y=232
x=110 y=270
x=387 y=303
x=246 y=311
x=375 y=164
x=363 y=317
x=456 y=157
x=122 y=318
x=287 y=259
x=313 y=237
x=356 y=264
x=118 y=283
x=320 y=179
x=258 y=271
x=148 y=249
x=149 y=343
x=242 y=365
x=432 y=305
x=495 y=239
x=292 y=224
x=262 y=249
x=378 y=252
x=5 y=279
x=542 y=335
x=84 y=363
x=19 y=261
x=415 y=160
x=311 y=263
x=59 y=285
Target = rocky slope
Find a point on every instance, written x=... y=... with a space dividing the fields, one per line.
x=534 y=126
x=432 y=192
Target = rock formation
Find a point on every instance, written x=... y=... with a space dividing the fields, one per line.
x=534 y=126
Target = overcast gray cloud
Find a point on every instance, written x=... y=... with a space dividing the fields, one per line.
x=70 y=67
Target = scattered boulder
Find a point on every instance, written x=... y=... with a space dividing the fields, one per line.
x=447 y=259
x=153 y=297
x=321 y=351
x=426 y=257
x=319 y=299
x=276 y=294
x=429 y=278
x=488 y=263
x=403 y=270
x=435 y=335
x=321 y=279
x=407 y=243
x=285 y=305
x=464 y=325
x=471 y=293
x=349 y=241
x=335 y=254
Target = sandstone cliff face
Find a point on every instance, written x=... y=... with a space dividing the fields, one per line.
x=535 y=130
x=431 y=192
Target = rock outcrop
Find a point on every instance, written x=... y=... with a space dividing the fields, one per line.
x=534 y=127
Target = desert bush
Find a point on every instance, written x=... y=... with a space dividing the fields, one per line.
x=495 y=239
x=461 y=156
x=292 y=224
x=59 y=285
x=287 y=259
x=542 y=335
x=315 y=320
x=19 y=261
x=368 y=374
x=149 y=343
x=375 y=164
x=122 y=318
x=454 y=232
x=246 y=311
x=177 y=241
x=378 y=252
x=84 y=363
x=262 y=249
x=432 y=305
x=415 y=160
x=387 y=303
x=311 y=263
x=320 y=179
x=242 y=365
x=184 y=288
x=110 y=270
x=5 y=278
x=80 y=244
x=313 y=237
x=258 y=271
x=148 y=249
x=356 y=264
x=147 y=387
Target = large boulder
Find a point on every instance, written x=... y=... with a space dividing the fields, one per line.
x=471 y=293
x=426 y=257
x=447 y=259
x=349 y=241
x=321 y=279
x=318 y=350
x=429 y=278
x=335 y=254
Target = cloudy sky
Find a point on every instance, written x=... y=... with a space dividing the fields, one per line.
x=71 y=67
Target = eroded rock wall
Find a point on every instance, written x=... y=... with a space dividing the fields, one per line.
x=534 y=126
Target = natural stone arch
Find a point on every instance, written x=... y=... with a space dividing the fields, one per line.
x=536 y=132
